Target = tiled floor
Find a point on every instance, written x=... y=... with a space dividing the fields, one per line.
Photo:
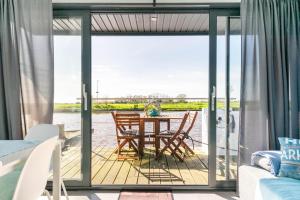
x=111 y=195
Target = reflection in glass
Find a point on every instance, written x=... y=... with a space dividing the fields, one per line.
x=228 y=95
x=67 y=93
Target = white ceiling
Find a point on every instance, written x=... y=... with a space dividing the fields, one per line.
x=146 y=1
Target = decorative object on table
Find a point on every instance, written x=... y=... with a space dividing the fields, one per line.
x=152 y=109
x=290 y=159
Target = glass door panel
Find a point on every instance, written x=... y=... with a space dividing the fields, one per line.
x=67 y=95
x=71 y=95
x=227 y=96
x=171 y=71
x=234 y=89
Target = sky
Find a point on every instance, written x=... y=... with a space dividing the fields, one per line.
x=143 y=65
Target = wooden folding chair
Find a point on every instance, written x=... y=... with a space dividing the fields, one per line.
x=185 y=133
x=128 y=127
x=172 y=140
x=177 y=138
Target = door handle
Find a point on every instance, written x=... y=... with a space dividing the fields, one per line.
x=84 y=94
x=213 y=98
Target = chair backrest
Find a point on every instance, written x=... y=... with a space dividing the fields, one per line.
x=124 y=120
x=194 y=116
x=42 y=132
x=35 y=173
x=120 y=129
x=182 y=124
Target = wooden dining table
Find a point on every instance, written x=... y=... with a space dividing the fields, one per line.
x=157 y=120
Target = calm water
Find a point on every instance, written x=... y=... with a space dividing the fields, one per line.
x=104 y=128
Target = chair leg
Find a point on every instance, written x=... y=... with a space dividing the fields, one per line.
x=185 y=146
x=177 y=149
x=64 y=189
x=123 y=143
x=135 y=148
x=130 y=145
x=174 y=151
x=163 y=149
x=120 y=146
x=46 y=192
x=135 y=143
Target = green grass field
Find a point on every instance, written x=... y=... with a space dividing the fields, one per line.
x=98 y=107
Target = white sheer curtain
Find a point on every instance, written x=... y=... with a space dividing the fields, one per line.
x=26 y=66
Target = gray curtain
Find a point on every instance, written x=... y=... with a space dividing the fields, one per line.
x=26 y=66
x=270 y=90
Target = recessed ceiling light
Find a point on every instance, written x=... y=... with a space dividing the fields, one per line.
x=153 y=19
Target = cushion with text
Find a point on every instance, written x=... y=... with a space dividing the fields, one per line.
x=290 y=158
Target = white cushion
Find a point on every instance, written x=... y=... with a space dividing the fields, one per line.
x=248 y=180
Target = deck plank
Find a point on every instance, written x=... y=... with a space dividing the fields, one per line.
x=99 y=161
x=67 y=157
x=133 y=174
x=70 y=165
x=76 y=173
x=143 y=169
x=185 y=172
x=74 y=169
x=174 y=171
x=113 y=172
x=165 y=176
x=154 y=173
x=107 y=170
x=123 y=172
x=199 y=176
x=108 y=163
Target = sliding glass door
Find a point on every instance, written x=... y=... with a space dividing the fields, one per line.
x=72 y=85
x=225 y=95
x=192 y=63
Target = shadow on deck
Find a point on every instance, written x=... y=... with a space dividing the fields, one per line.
x=107 y=170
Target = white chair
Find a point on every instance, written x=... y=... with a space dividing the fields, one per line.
x=29 y=182
x=43 y=132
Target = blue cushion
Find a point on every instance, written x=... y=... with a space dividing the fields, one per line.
x=279 y=188
x=268 y=160
x=290 y=159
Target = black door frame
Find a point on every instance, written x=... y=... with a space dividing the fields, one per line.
x=84 y=11
x=84 y=15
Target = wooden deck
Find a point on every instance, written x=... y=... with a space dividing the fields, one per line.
x=107 y=170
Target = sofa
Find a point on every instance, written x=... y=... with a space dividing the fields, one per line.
x=259 y=184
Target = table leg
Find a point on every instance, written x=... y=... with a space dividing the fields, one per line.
x=157 y=140
x=168 y=124
x=56 y=172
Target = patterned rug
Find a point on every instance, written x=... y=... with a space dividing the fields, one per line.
x=163 y=195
